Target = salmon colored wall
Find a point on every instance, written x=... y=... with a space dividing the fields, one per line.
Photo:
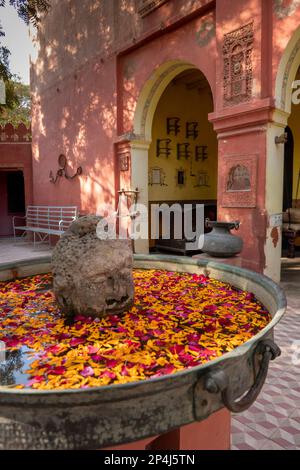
x=14 y=156
x=77 y=91
x=186 y=44
x=79 y=123
x=87 y=93
x=190 y=105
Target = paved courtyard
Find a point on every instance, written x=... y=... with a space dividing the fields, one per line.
x=10 y=252
x=273 y=422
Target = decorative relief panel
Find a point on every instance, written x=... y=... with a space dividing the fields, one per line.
x=123 y=155
x=144 y=7
x=238 y=72
x=239 y=181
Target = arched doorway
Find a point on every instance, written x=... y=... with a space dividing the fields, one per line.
x=291 y=180
x=174 y=149
x=182 y=165
x=288 y=170
x=288 y=114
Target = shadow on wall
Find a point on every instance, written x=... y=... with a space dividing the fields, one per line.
x=74 y=109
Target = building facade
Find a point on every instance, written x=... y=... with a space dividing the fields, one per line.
x=15 y=175
x=180 y=100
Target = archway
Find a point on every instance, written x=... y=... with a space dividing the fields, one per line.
x=288 y=169
x=287 y=71
x=286 y=114
x=167 y=135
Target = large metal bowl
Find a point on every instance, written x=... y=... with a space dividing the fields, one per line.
x=115 y=414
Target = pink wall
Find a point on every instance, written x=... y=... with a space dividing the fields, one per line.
x=93 y=64
x=78 y=91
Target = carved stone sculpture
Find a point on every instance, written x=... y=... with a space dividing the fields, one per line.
x=92 y=277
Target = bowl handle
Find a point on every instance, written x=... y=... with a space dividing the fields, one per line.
x=217 y=381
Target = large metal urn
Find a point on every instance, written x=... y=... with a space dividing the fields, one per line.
x=220 y=242
x=116 y=414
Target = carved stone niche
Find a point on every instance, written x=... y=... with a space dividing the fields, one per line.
x=239 y=181
x=123 y=155
x=144 y=7
x=238 y=70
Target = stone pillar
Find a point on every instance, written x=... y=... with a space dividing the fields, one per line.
x=242 y=176
x=243 y=120
x=139 y=180
x=274 y=194
x=250 y=186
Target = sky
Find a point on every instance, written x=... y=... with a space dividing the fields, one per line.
x=17 y=41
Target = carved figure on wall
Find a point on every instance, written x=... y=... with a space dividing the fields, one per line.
x=239 y=179
x=238 y=73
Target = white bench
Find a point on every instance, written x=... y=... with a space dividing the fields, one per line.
x=44 y=221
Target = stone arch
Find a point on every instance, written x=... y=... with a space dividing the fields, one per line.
x=286 y=73
x=151 y=94
x=141 y=138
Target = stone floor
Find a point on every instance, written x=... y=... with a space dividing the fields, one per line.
x=20 y=251
x=273 y=422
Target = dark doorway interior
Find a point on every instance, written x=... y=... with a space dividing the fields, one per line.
x=288 y=170
x=15 y=192
x=12 y=199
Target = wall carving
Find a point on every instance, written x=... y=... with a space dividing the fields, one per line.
x=123 y=155
x=239 y=181
x=284 y=8
x=238 y=69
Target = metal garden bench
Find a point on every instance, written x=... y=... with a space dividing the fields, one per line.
x=44 y=221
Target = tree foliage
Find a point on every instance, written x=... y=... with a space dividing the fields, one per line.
x=29 y=11
x=19 y=110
